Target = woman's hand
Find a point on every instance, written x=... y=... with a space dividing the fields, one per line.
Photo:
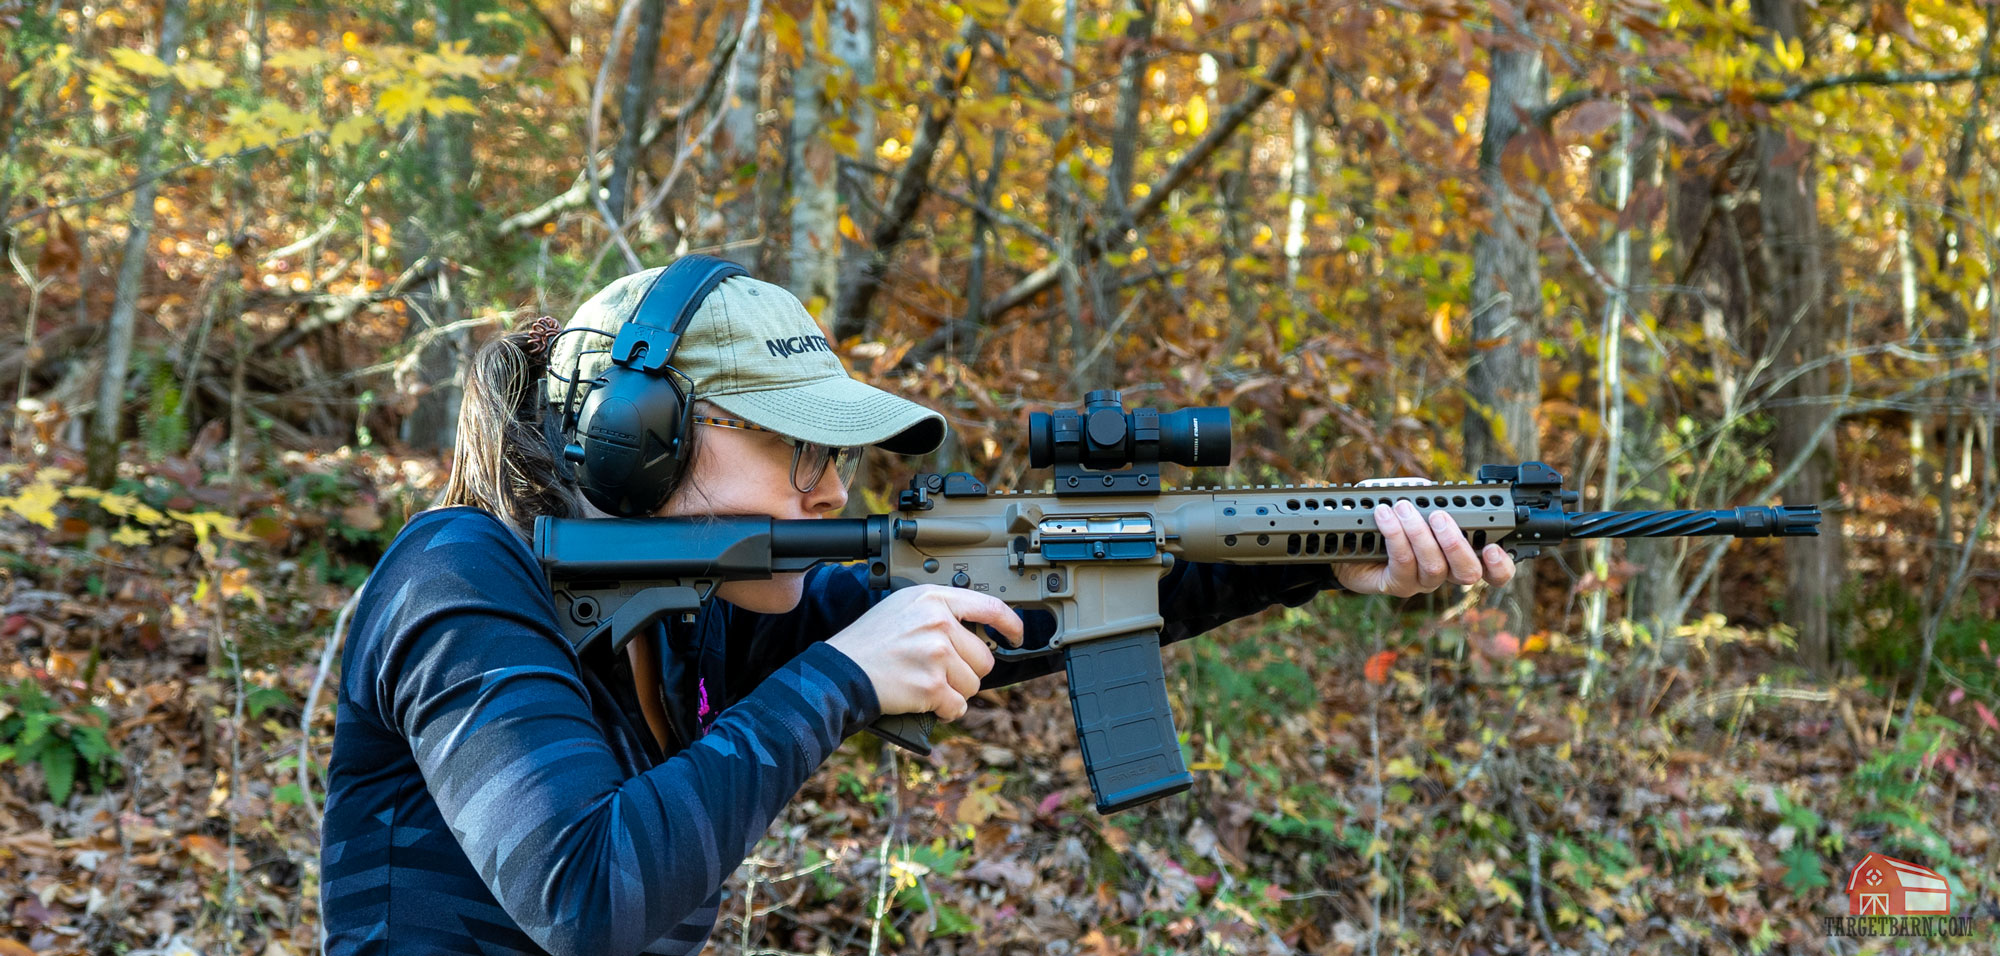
x=918 y=655
x=1423 y=553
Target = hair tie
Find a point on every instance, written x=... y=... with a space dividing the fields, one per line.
x=541 y=333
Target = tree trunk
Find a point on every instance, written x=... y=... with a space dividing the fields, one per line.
x=634 y=102
x=1091 y=364
x=102 y=453
x=1504 y=379
x=1655 y=586
x=1299 y=191
x=1063 y=212
x=1800 y=329
x=815 y=246
x=433 y=423
x=736 y=153
x=1617 y=189
x=853 y=44
x=858 y=288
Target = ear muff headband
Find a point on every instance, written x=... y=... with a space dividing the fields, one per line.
x=630 y=448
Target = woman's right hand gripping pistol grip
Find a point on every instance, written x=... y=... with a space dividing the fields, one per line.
x=917 y=650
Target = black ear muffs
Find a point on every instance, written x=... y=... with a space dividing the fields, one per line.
x=630 y=445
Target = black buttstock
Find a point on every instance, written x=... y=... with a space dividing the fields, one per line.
x=1118 y=692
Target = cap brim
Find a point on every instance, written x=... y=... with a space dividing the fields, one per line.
x=842 y=411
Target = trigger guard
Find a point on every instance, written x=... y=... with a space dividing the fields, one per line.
x=1004 y=653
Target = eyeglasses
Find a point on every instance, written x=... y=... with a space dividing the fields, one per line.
x=809 y=459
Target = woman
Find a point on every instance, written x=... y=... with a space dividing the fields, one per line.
x=492 y=792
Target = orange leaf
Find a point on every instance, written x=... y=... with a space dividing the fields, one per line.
x=9 y=947
x=1377 y=670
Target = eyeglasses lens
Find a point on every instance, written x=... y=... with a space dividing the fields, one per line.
x=809 y=463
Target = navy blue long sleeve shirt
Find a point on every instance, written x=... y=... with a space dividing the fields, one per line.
x=492 y=792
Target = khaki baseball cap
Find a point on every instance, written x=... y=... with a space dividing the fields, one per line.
x=755 y=352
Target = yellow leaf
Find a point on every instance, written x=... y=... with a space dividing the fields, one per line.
x=907 y=873
x=1065 y=145
x=140 y=62
x=243 y=129
x=785 y=31
x=300 y=59
x=131 y=537
x=979 y=805
x=1197 y=114
x=37 y=503
x=441 y=105
x=988 y=11
x=403 y=100
x=451 y=60
x=117 y=504
x=198 y=74
x=575 y=79
x=204 y=522
x=282 y=122
x=849 y=229
x=1791 y=54
x=236 y=581
x=347 y=132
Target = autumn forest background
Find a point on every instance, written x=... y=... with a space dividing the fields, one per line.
x=1693 y=253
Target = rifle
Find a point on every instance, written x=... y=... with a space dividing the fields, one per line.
x=1091 y=550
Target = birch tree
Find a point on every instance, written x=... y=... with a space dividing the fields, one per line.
x=739 y=198
x=815 y=242
x=104 y=433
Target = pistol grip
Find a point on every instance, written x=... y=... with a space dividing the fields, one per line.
x=911 y=732
x=1118 y=692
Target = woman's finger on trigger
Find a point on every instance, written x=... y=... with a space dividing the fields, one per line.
x=969 y=605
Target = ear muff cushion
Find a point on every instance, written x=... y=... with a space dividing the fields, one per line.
x=631 y=424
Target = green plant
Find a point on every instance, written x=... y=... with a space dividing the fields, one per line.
x=32 y=730
x=1895 y=787
x=935 y=859
x=162 y=427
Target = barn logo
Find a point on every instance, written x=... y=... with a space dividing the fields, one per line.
x=1891 y=897
x=1885 y=886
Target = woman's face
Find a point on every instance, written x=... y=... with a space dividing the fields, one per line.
x=740 y=472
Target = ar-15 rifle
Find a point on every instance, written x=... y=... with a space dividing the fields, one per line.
x=1091 y=550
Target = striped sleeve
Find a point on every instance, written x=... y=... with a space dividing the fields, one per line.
x=585 y=858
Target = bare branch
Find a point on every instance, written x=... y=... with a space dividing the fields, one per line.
x=1096 y=244
x=912 y=184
